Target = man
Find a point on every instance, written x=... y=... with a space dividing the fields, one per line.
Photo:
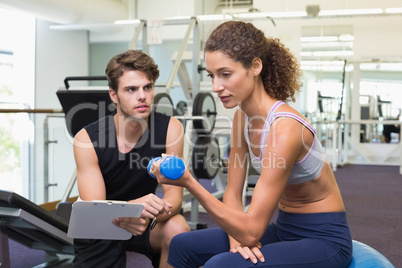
x=112 y=156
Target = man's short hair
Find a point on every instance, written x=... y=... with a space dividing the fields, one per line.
x=130 y=60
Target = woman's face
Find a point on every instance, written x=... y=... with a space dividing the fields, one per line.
x=231 y=81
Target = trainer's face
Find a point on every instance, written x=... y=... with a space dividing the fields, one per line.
x=135 y=95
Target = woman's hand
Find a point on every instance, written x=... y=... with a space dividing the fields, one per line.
x=252 y=253
x=155 y=170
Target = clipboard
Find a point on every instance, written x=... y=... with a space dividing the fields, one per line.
x=93 y=219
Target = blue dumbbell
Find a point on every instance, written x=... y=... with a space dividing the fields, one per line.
x=171 y=167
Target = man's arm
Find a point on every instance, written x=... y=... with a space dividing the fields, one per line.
x=89 y=177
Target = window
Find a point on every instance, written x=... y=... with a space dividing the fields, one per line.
x=16 y=92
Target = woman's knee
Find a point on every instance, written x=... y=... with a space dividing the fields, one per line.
x=180 y=252
x=180 y=241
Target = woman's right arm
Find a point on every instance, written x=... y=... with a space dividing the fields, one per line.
x=237 y=171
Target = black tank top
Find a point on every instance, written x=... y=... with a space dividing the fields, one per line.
x=126 y=175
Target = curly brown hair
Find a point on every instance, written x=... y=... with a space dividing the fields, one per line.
x=242 y=42
x=130 y=60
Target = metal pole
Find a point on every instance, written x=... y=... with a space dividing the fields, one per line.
x=196 y=59
x=46 y=143
x=70 y=186
x=144 y=46
x=137 y=34
x=46 y=159
x=180 y=55
x=334 y=146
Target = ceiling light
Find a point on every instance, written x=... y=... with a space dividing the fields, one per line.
x=298 y=14
x=395 y=67
x=127 y=22
x=327 y=44
x=322 y=68
x=215 y=17
x=393 y=10
x=327 y=53
x=179 y=18
x=319 y=39
x=346 y=37
x=350 y=12
x=94 y=27
x=321 y=63
x=259 y=15
x=329 y=66
x=315 y=39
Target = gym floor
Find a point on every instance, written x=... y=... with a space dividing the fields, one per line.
x=373 y=200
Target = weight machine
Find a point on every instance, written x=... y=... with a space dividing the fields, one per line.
x=34 y=227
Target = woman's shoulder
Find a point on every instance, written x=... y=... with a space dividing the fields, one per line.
x=239 y=119
x=288 y=110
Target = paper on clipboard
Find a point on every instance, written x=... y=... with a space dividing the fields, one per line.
x=93 y=219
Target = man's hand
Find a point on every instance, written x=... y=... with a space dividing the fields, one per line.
x=153 y=206
x=135 y=226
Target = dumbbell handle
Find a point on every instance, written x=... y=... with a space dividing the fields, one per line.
x=171 y=167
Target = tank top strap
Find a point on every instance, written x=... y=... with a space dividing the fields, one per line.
x=265 y=129
x=296 y=117
x=268 y=121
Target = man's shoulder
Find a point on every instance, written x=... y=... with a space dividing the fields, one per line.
x=160 y=118
x=160 y=115
x=101 y=125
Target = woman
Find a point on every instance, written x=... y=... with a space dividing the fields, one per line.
x=259 y=75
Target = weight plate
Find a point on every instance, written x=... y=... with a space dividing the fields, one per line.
x=163 y=104
x=204 y=105
x=206 y=157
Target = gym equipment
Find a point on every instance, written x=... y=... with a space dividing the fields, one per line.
x=163 y=104
x=365 y=256
x=204 y=105
x=32 y=226
x=204 y=111
x=339 y=115
x=181 y=110
x=171 y=167
x=88 y=105
x=181 y=107
x=206 y=157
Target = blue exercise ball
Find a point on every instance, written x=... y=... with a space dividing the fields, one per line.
x=365 y=256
